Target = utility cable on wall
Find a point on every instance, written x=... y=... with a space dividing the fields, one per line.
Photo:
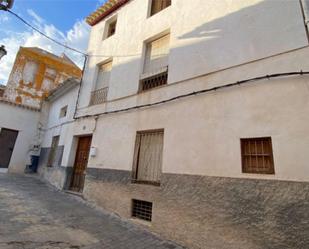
x=237 y=83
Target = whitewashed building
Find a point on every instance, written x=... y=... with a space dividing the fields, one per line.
x=19 y=135
x=192 y=118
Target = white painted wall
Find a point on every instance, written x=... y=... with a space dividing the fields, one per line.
x=202 y=133
x=62 y=127
x=206 y=36
x=225 y=41
x=25 y=122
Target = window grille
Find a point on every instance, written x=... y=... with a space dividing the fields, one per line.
x=147 y=165
x=142 y=209
x=154 y=81
x=257 y=155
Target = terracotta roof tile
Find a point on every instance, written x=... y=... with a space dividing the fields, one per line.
x=106 y=9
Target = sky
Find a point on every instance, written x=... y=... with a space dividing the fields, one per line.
x=60 y=19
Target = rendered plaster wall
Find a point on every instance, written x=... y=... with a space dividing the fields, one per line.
x=63 y=127
x=206 y=37
x=202 y=133
x=210 y=212
x=25 y=121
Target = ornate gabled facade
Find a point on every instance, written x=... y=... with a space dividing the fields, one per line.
x=35 y=73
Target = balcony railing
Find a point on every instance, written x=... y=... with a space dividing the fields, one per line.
x=154 y=81
x=99 y=96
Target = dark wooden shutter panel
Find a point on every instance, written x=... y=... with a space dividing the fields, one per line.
x=257 y=156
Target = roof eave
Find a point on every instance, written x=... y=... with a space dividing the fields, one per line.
x=92 y=20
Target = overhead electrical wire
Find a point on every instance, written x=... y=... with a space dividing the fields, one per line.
x=207 y=90
x=43 y=34
x=66 y=46
x=159 y=102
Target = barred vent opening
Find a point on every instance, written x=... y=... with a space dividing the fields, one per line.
x=142 y=209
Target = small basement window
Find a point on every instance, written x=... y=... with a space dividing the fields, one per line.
x=257 y=156
x=142 y=209
x=63 y=112
x=158 y=5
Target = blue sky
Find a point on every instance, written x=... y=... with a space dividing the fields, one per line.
x=61 y=19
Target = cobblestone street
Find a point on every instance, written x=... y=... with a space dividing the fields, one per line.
x=34 y=215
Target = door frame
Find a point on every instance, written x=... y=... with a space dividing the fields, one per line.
x=75 y=151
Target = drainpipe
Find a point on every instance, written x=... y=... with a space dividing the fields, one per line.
x=304 y=4
x=80 y=86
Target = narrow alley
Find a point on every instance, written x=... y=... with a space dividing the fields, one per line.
x=36 y=216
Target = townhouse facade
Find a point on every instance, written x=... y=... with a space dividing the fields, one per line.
x=192 y=119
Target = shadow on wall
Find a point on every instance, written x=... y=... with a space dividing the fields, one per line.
x=250 y=33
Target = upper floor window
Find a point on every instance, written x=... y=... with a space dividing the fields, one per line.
x=99 y=95
x=63 y=112
x=110 y=27
x=257 y=155
x=30 y=72
x=158 y=5
x=155 y=70
x=147 y=166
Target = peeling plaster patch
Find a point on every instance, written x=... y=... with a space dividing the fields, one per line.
x=35 y=73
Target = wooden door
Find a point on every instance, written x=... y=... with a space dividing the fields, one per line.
x=7 y=143
x=80 y=165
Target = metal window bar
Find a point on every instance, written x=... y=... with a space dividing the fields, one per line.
x=99 y=96
x=257 y=155
x=154 y=81
x=142 y=209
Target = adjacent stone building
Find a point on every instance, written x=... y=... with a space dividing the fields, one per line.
x=35 y=73
x=192 y=119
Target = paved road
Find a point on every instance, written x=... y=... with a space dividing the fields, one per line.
x=36 y=216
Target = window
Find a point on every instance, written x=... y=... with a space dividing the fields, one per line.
x=50 y=76
x=148 y=152
x=142 y=209
x=158 y=5
x=257 y=156
x=155 y=72
x=99 y=95
x=53 y=150
x=63 y=111
x=111 y=28
x=30 y=66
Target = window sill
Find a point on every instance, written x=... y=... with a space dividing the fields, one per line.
x=157 y=184
x=258 y=173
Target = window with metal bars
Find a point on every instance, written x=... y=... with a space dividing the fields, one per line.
x=154 y=81
x=257 y=155
x=147 y=163
x=53 y=149
x=158 y=5
x=142 y=209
